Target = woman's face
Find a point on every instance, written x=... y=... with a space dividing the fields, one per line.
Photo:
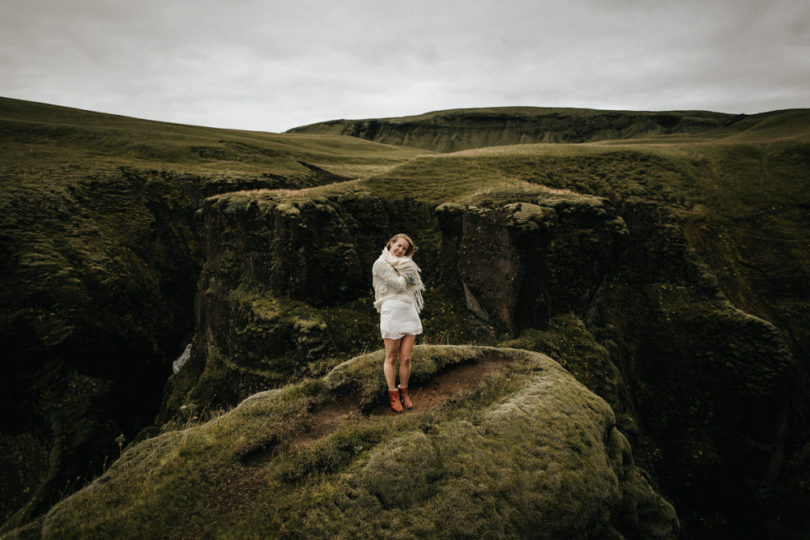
x=399 y=247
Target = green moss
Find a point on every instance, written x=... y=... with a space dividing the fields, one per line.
x=215 y=385
x=331 y=454
x=568 y=341
x=539 y=455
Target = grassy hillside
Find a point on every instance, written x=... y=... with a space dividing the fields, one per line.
x=460 y=129
x=40 y=139
x=676 y=246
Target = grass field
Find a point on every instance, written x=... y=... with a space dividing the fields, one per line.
x=65 y=143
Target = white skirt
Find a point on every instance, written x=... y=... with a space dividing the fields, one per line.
x=399 y=318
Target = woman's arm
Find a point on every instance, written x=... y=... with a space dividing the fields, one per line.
x=386 y=273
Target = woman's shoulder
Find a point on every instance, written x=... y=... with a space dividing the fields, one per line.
x=380 y=264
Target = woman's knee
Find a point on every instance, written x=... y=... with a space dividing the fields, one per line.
x=405 y=359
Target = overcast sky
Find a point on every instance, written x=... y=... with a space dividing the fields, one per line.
x=272 y=65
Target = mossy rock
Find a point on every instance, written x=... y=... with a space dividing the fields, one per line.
x=525 y=451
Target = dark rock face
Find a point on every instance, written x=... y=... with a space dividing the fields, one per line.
x=709 y=381
x=305 y=250
x=521 y=262
x=279 y=278
x=99 y=288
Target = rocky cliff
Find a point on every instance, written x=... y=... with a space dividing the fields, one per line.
x=97 y=296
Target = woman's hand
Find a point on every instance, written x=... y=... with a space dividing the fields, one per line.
x=411 y=278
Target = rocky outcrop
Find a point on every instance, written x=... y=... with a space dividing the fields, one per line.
x=285 y=291
x=276 y=266
x=529 y=453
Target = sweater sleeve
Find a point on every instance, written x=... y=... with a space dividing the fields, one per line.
x=389 y=276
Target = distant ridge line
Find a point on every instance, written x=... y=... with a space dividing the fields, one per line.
x=460 y=129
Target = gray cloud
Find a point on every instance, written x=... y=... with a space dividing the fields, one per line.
x=274 y=65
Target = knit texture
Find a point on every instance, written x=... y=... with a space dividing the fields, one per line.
x=396 y=277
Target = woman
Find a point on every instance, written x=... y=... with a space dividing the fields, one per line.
x=398 y=297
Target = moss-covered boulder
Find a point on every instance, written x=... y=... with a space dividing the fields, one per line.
x=527 y=451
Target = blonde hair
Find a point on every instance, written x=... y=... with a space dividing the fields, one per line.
x=411 y=246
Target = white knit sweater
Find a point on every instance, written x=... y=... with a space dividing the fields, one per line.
x=390 y=284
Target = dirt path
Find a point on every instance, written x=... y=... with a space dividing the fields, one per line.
x=428 y=396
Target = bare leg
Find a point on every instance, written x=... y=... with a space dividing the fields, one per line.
x=405 y=352
x=392 y=347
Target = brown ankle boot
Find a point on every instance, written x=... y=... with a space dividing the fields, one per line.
x=393 y=400
x=406 y=399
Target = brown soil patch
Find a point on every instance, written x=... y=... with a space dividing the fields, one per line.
x=428 y=396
